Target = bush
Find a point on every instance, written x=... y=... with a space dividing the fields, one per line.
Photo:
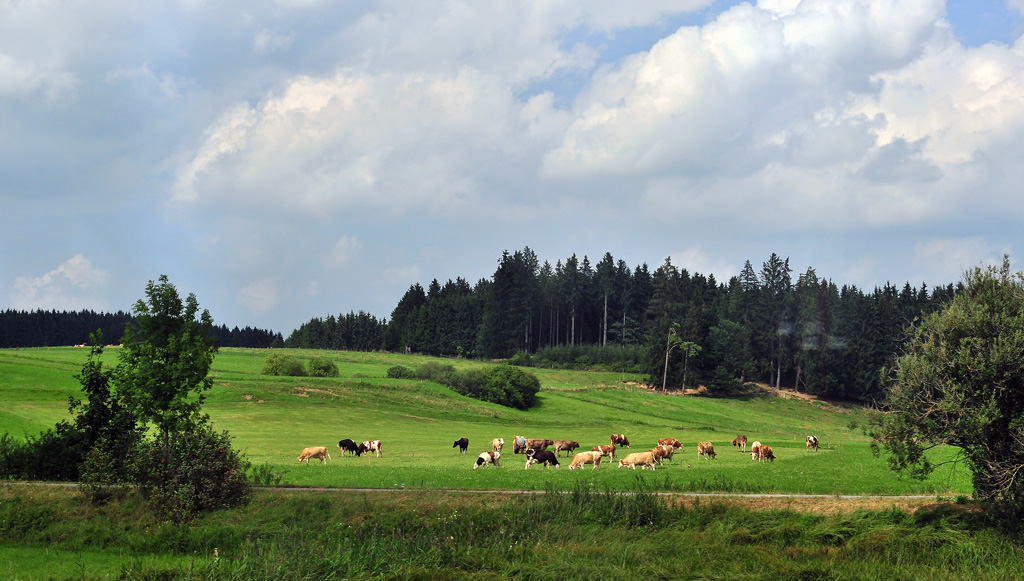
x=400 y=372
x=280 y=364
x=322 y=367
x=504 y=385
x=435 y=371
x=200 y=472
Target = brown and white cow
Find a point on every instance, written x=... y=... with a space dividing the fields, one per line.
x=765 y=453
x=676 y=444
x=314 y=452
x=497 y=444
x=583 y=458
x=662 y=453
x=740 y=442
x=545 y=457
x=755 y=448
x=605 y=450
x=812 y=443
x=706 y=450
x=462 y=444
x=620 y=440
x=488 y=458
x=643 y=459
x=568 y=445
x=374 y=446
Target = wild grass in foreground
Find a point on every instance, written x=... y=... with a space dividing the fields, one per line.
x=583 y=534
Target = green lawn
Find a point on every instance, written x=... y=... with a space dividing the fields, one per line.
x=273 y=418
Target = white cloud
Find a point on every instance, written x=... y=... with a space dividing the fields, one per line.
x=948 y=258
x=74 y=284
x=696 y=260
x=343 y=251
x=259 y=296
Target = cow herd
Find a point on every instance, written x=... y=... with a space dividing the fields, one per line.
x=536 y=451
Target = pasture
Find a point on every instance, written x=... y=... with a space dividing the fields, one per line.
x=273 y=418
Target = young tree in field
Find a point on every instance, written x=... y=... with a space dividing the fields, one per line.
x=166 y=359
x=961 y=383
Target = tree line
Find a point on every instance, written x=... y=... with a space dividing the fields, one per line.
x=765 y=325
x=57 y=328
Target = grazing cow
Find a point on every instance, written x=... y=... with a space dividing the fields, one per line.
x=741 y=443
x=545 y=457
x=643 y=459
x=374 y=446
x=706 y=450
x=765 y=453
x=670 y=442
x=567 y=445
x=488 y=458
x=538 y=444
x=662 y=453
x=518 y=444
x=812 y=443
x=314 y=452
x=348 y=445
x=605 y=451
x=462 y=444
x=583 y=458
x=754 y=449
x=620 y=440
x=497 y=444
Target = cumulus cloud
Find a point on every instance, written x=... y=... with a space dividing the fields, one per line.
x=74 y=284
x=343 y=251
x=259 y=296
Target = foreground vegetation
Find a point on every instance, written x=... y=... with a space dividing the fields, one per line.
x=583 y=534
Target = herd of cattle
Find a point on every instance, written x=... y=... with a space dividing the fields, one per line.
x=536 y=451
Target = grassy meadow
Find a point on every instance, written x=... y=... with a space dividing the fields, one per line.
x=273 y=418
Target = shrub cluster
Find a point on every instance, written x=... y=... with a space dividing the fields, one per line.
x=322 y=367
x=400 y=372
x=280 y=364
x=504 y=384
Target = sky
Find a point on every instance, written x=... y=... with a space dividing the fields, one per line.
x=290 y=159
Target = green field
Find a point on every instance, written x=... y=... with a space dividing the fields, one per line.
x=273 y=418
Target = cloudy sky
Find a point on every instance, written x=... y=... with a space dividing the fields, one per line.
x=286 y=159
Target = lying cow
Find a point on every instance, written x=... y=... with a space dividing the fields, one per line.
x=740 y=442
x=348 y=445
x=812 y=443
x=765 y=453
x=605 y=451
x=706 y=450
x=373 y=446
x=583 y=458
x=462 y=444
x=314 y=452
x=487 y=458
x=755 y=448
x=545 y=457
x=567 y=445
x=662 y=453
x=497 y=444
x=518 y=444
x=670 y=442
x=643 y=459
x=620 y=440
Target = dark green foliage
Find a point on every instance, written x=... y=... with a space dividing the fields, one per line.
x=400 y=372
x=503 y=384
x=281 y=364
x=201 y=472
x=322 y=367
x=435 y=371
x=961 y=383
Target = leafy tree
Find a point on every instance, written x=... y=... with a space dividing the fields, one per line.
x=166 y=359
x=961 y=383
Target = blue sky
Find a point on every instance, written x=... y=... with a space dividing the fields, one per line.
x=285 y=159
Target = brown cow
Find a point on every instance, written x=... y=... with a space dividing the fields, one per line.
x=620 y=440
x=538 y=444
x=765 y=453
x=662 y=453
x=741 y=443
x=754 y=449
x=706 y=450
x=567 y=445
x=319 y=452
x=643 y=459
x=497 y=444
x=670 y=442
x=605 y=450
x=579 y=460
